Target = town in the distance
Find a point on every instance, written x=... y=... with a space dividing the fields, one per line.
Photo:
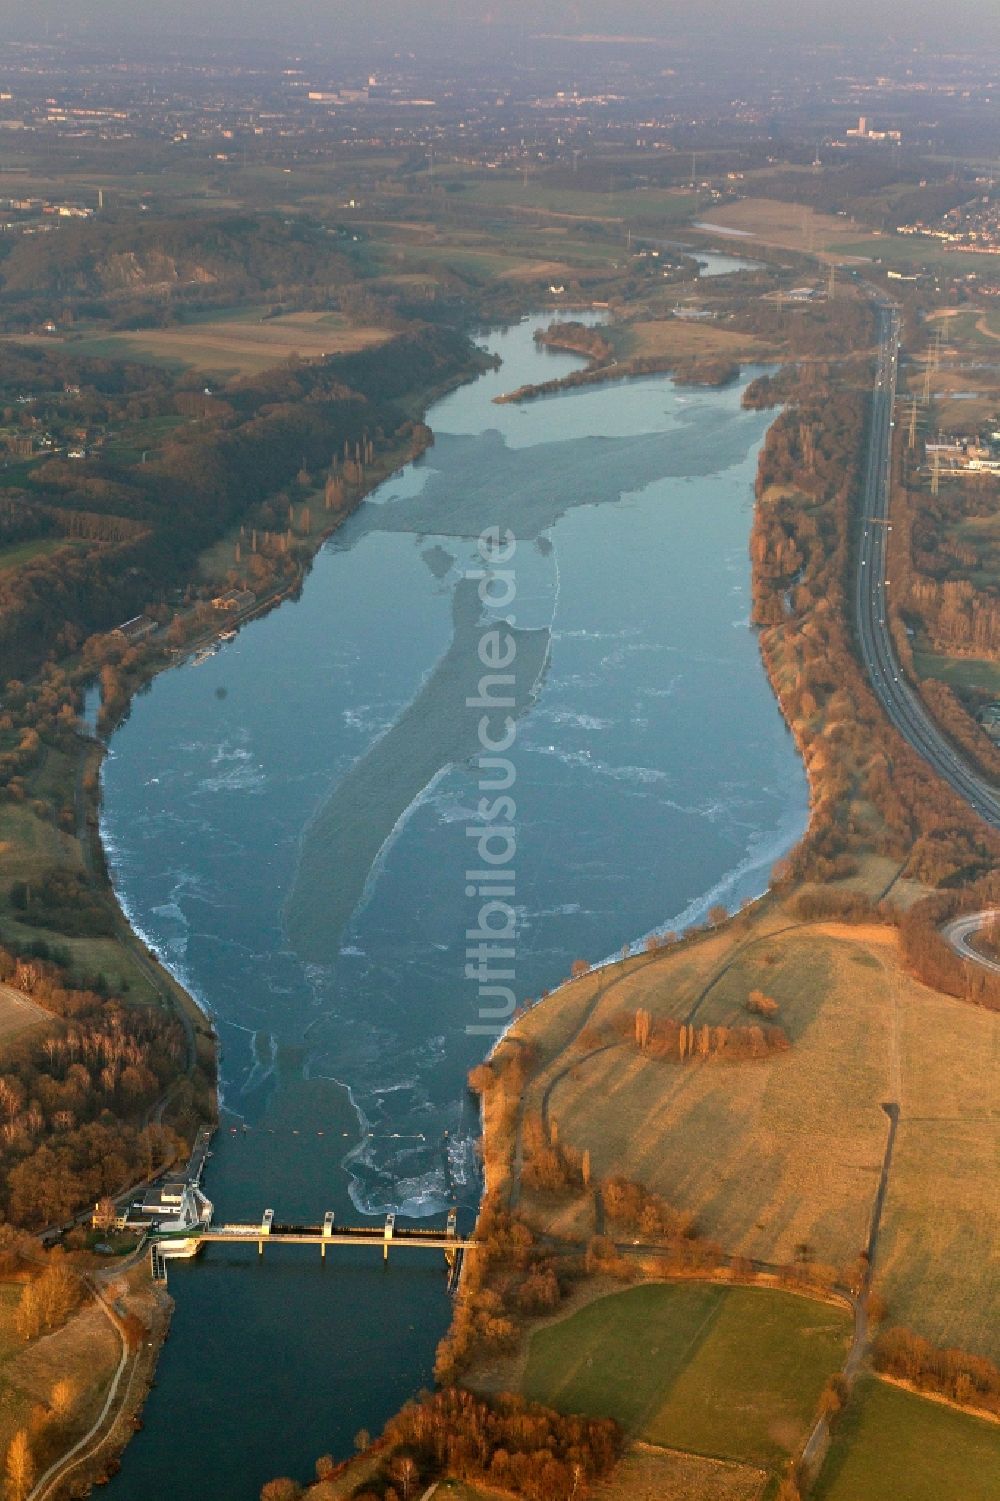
x=499 y=752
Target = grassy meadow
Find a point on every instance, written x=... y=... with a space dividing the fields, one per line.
x=242 y=344
x=20 y=553
x=684 y=338
x=647 y=1473
x=793 y=226
x=408 y=255
x=786 y=1151
x=666 y=206
x=959 y=672
x=892 y=1445
x=18 y=1015
x=729 y=1372
x=84 y=1352
x=30 y=846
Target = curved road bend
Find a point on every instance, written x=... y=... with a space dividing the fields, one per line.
x=901 y=703
x=962 y=930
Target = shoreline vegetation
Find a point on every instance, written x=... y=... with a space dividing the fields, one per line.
x=603 y=366
x=79 y=1389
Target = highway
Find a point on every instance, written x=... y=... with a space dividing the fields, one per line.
x=962 y=930
x=899 y=700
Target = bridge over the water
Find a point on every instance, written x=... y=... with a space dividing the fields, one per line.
x=168 y=1243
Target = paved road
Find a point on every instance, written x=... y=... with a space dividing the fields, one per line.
x=899 y=700
x=961 y=931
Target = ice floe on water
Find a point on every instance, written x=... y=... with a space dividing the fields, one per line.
x=171 y=910
x=243 y=775
x=574 y=719
x=641 y=776
x=581 y=634
x=626 y=804
x=370 y=720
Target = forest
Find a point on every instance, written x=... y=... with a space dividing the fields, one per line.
x=145 y=272
x=509 y=1445
x=75 y=1105
x=969 y=1380
x=149 y=521
x=833 y=326
x=948 y=600
x=801 y=550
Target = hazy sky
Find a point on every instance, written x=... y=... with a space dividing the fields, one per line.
x=915 y=18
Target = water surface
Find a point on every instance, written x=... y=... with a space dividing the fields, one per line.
x=292 y=825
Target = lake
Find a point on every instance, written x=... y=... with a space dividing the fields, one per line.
x=296 y=825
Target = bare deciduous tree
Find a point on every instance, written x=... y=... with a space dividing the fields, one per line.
x=20 y=1467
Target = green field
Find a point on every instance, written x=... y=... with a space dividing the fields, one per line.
x=959 y=328
x=909 y=252
x=958 y=672
x=733 y=1372
x=28 y=845
x=20 y=553
x=787 y=1151
x=90 y=956
x=521 y=256
x=128 y=446
x=232 y=342
x=659 y=205
x=891 y=1445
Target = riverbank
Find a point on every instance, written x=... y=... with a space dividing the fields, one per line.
x=140 y=1311
x=74 y=1390
x=693 y=354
